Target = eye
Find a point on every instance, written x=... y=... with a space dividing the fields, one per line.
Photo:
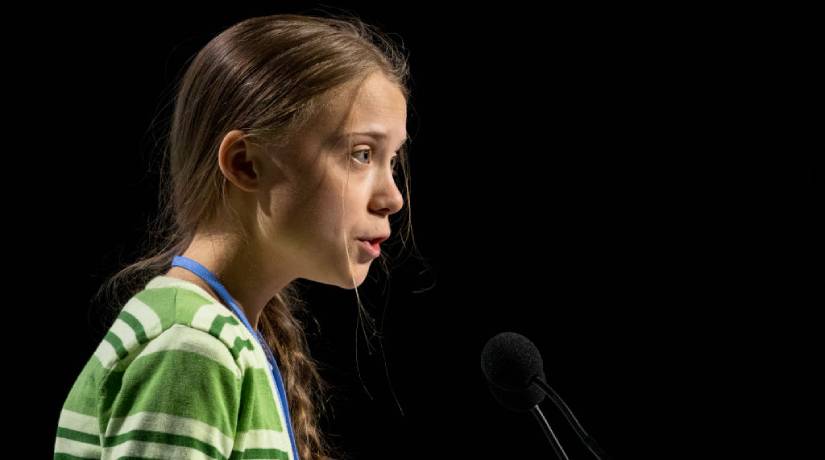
x=368 y=153
x=362 y=151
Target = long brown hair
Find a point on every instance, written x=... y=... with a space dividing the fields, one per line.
x=267 y=76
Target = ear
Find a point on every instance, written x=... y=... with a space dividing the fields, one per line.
x=239 y=161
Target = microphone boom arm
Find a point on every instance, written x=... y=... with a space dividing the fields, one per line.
x=545 y=426
x=571 y=419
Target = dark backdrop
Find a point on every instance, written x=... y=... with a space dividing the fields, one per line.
x=593 y=178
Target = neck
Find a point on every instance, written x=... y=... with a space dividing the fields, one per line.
x=239 y=269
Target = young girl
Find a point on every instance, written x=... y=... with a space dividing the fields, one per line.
x=284 y=148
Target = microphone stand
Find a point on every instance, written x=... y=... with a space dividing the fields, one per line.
x=545 y=426
x=571 y=419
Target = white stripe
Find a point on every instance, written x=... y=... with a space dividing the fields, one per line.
x=152 y=450
x=76 y=448
x=79 y=422
x=106 y=354
x=202 y=319
x=166 y=423
x=264 y=439
x=125 y=333
x=185 y=338
x=145 y=316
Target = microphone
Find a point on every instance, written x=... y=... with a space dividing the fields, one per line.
x=514 y=370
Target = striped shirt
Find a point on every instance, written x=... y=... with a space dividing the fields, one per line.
x=177 y=375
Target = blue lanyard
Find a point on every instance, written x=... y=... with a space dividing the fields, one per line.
x=212 y=280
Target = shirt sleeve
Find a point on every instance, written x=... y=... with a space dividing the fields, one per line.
x=179 y=398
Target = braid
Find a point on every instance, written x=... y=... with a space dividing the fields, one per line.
x=304 y=386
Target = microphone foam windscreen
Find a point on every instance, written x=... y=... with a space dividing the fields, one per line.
x=510 y=361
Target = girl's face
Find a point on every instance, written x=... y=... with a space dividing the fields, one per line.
x=328 y=195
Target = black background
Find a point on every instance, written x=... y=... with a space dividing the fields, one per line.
x=624 y=186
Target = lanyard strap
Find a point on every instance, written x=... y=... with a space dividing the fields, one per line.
x=204 y=273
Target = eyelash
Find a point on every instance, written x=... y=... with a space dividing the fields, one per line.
x=394 y=168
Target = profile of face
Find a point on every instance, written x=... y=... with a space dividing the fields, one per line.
x=326 y=195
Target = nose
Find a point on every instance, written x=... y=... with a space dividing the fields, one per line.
x=388 y=199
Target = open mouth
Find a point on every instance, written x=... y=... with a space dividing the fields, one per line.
x=373 y=247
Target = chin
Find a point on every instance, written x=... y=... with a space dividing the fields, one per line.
x=344 y=279
x=347 y=284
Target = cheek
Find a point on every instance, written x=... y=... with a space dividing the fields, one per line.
x=320 y=219
x=339 y=207
x=326 y=211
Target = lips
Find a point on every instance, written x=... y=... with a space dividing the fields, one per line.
x=372 y=244
x=374 y=240
x=373 y=249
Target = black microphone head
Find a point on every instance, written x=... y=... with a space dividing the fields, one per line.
x=510 y=361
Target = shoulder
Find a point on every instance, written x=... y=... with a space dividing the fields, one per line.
x=180 y=343
x=174 y=314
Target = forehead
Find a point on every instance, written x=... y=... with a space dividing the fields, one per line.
x=378 y=106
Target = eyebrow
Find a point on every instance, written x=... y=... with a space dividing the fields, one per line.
x=375 y=134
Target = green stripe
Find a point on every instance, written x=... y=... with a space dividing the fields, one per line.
x=181 y=383
x=219 y=322
x=135 y=325
x=162 y=302
x=240 y=345
x=260 y=411
x=114 y=340
x=164 y=438
x=78 y=436
x=63 y=456
x=83 y=396
x=173 y=304
x=259 y=453
x=188 y=303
